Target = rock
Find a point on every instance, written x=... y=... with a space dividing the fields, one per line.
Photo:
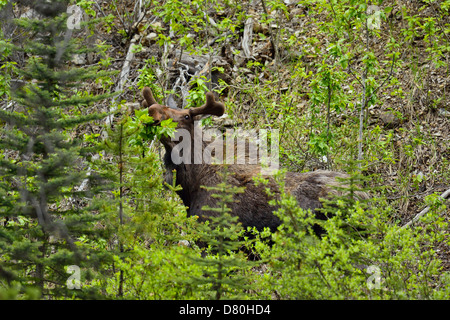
x=389 y=120
x=29 y=14
x=224 y=121
x=149 y=39
x=130 y=107
x=184 y=243
x=444 y=113
x=157 y=26
x=79 y=59
x=151 y=36
x=295 y=12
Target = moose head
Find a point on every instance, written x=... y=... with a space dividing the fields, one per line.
x=184 y=117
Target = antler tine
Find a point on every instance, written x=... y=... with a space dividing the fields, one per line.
x=148 y=96
x=210 y=107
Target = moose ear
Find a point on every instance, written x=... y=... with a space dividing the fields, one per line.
x=210 y=107
x=148 y=96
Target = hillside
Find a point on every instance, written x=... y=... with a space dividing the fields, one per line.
x=350 y=87
x=406 y=127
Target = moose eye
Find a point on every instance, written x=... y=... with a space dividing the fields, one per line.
x=186 y=117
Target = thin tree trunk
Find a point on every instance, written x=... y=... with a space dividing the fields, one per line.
x=120 y=293
x=363 y=104
x=328 y=120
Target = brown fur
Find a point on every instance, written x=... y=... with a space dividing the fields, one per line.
x=252 y=206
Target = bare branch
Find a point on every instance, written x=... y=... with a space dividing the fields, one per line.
x=445 y=195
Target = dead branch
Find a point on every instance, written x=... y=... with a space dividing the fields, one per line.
x=445 y=195
x=248 y=38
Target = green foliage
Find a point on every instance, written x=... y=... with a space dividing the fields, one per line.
x=224 y=268
x=42 y=229
x=148 y=222
x=153 y=273
x=16 y=292
x=128 y=230
x=143 y=131
x=7 y=68
x=197 y=94
x=361 y=255
x=147 y=78
x=188 y=17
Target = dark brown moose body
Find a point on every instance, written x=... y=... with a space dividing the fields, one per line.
x=252 y=205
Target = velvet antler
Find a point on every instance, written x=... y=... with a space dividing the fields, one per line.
x=210 y=107
x=148 y=96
